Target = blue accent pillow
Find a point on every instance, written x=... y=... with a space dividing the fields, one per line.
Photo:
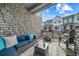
x=34 y=37
x=26 y=37
x=2 y=43
x=20 y=38
x=30 y=37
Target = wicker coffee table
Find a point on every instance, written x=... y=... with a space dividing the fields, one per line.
x=40 y=49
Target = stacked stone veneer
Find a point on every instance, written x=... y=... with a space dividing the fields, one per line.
x=15 y=19
x=77 y=42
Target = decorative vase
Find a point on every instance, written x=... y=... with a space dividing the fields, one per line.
x=43 y=42
x=37 y=44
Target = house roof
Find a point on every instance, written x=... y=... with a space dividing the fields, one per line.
x=71 y=14
x=48 y=21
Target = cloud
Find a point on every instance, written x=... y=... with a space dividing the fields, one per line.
x=51 y=16
x=48 y=17
x=61 y=8
x=47 y=11
x=67 y=14
x=58 y=6
x=66 y=7
x=61 y=12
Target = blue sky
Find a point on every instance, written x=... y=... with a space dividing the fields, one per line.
x=60 y=10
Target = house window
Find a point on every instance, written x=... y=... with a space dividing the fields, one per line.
x=71 y=27
x=55 y=27
x=65 y=20
x=78 y=19
x=54 y=22
x=50 y=28
x=0 y=28
x=45 y=27
x=59 y=21
x=70 y=20
x=64 y=27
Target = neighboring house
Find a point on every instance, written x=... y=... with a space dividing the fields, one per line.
x=57 y=23
x=48 y=25
x=62 y=23
x=54 y=24
x=71 y=21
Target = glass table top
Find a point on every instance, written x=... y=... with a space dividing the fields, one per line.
x=42 y=46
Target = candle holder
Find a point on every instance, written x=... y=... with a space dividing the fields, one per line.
x=43 y=41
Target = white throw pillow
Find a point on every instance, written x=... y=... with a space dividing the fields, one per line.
x=10 y=41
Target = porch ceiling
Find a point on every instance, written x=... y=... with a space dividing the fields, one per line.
x=37 y=7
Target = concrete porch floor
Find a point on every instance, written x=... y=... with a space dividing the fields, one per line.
x=54 y=50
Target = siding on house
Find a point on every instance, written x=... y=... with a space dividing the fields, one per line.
x=57 y=23
x=74 y=18
x=71 y=20
x=48 y=26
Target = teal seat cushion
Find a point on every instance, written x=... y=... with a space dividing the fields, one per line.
x=11 y=51
x=30 y=37
x=2 y=43
x=21 y=44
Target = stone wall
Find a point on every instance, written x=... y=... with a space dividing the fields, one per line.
x=15 y=19
x=77 y=41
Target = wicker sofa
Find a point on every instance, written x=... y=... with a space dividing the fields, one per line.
x=24 y=43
